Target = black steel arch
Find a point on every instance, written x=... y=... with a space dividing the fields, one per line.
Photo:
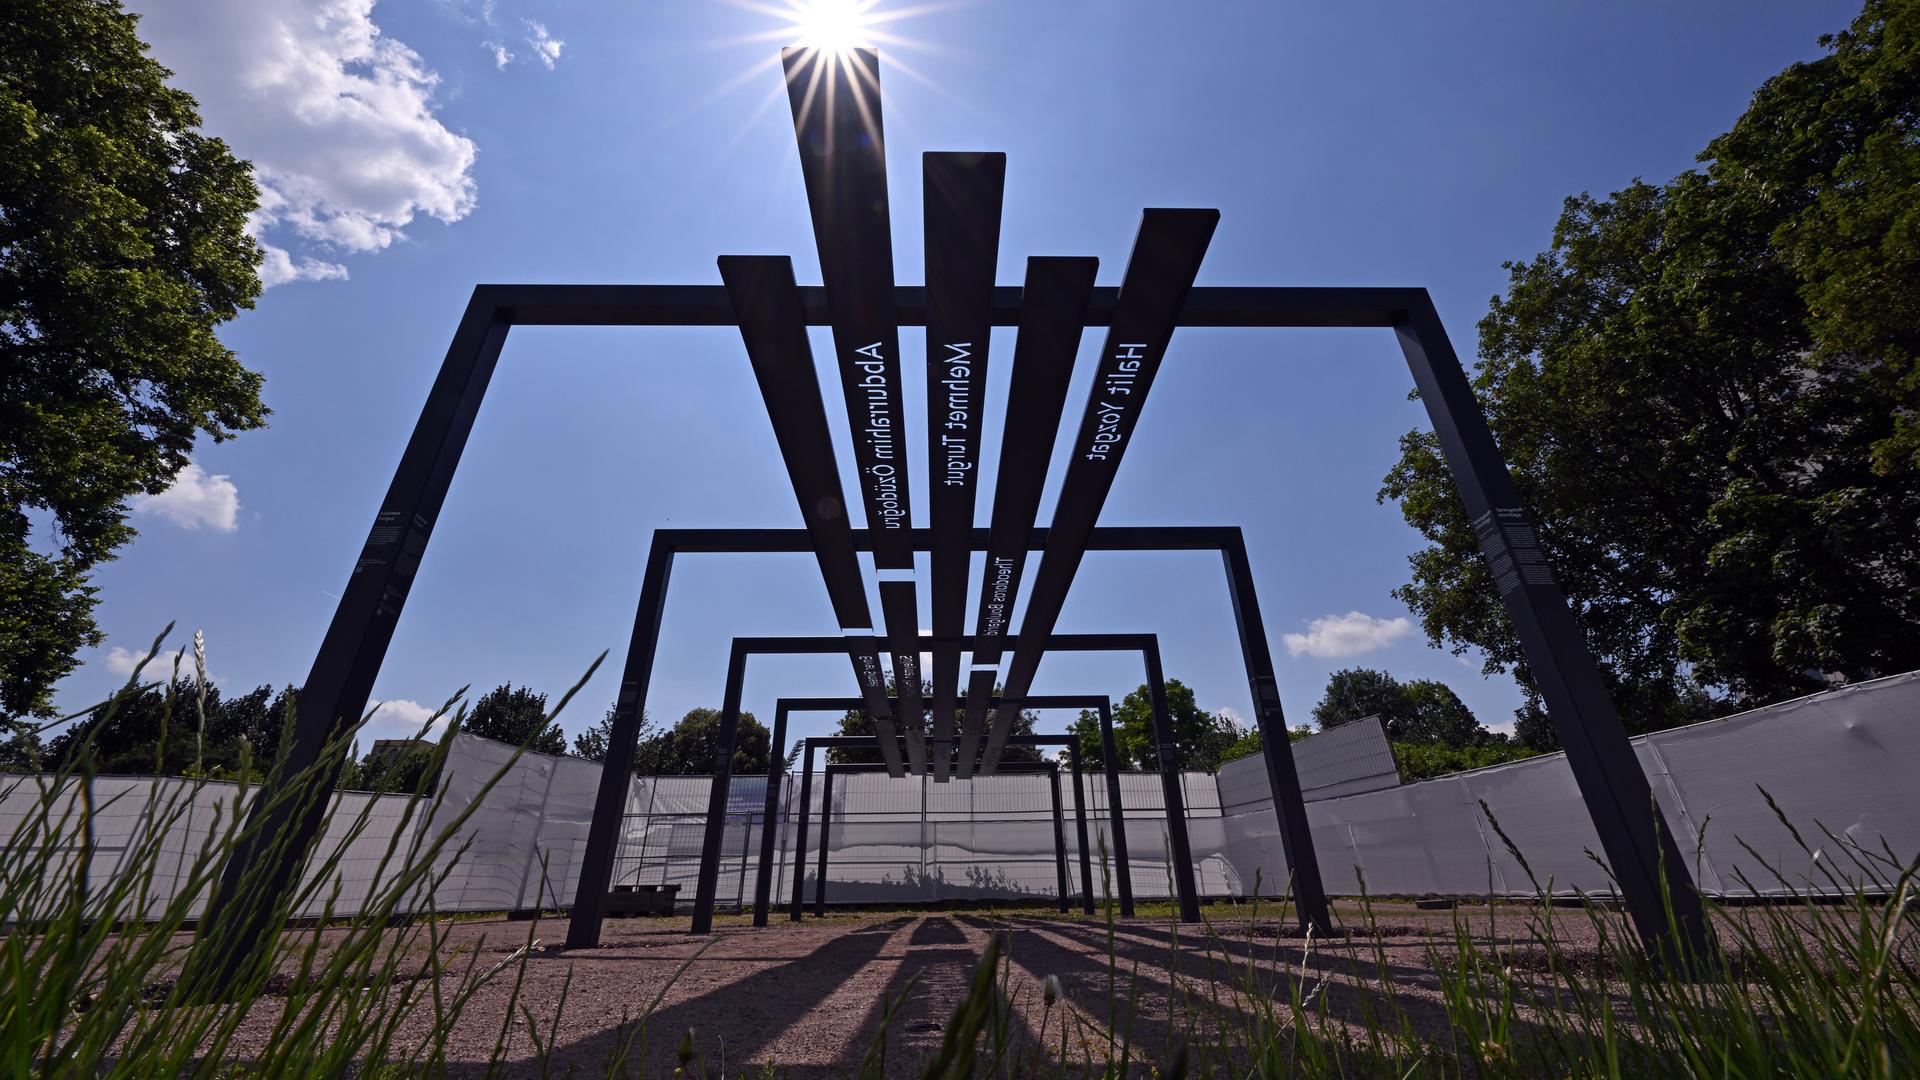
x=1100 y=704
x=336 y=690
x=826 y=805
x=963 y=193
x=855 y=300
x=1147 y=645
x=783 y=707
x=1309 y=894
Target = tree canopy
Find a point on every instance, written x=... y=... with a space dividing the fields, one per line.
x=1431 y=731
x=1418 y=711
x=592 y=743
x=396 y=765
x=687 y=748
x=1248 y=744
x=516 y=716
x=156 y=729
x=1205 y=740
x=1357 y=693
x=123 y=246
x=1708 y=391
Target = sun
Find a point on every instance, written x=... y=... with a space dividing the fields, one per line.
x=838 y=27
x=832 y=31
x=834 y=25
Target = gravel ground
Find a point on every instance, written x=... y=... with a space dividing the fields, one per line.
x=812 y=996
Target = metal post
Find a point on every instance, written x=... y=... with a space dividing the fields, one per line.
x=961 y=214
x=773 y=328
x=1053 y=312
x=776 y=773
x=800 y=840
x=1167 y=753
x=1080 y=830
x=629 y=711
x=925 y=828
x=281 y=830
x=709 y=882
x=1121 y=871
x=1145 y=644
x=1166 y=255
x=838 y=126
x=1640 y=849
x=979 y=690
x=826 y=812
x=746 y=854
x=1059 y=835
x=1283 y=780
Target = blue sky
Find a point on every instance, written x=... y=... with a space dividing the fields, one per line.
x=413 y=150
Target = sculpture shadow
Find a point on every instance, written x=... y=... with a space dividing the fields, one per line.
x=778 y=996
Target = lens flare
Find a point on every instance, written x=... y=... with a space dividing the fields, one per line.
x=832 y=30
x=834 y=25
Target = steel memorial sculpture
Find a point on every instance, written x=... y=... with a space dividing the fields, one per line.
x=835 y=101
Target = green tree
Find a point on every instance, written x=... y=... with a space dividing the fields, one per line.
x=1085 y=731
x=397 y=770
x=271 y=730
x=1205 y=740
x=592 y=743
x=690 y=746
x=1437 y=715
x=1532 y=729
x=123 y=246
x=516 y=716
x=21 y=749
x=157 y=729
x=127 y=734
x=1249 y=743
x=1707 y=393
x=1420 y=711
x=1829 y=149
x=1357 y=693
x=1424 y=761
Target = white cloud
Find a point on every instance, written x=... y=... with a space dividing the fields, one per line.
x=1347 y=635
x=195 y=499
x=278 y=268
x=121 y=661
x=501 y=57
x=546 y=47
x=401 y=718
x=337 y=119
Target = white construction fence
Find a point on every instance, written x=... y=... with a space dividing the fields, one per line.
x=1842 y=762
x=1839 y=763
